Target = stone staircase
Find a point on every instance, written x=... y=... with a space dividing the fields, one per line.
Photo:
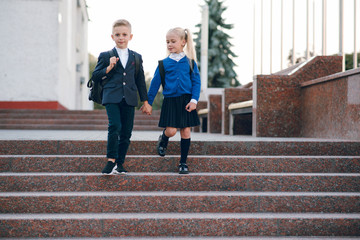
x=69 y=120
x=258 y=189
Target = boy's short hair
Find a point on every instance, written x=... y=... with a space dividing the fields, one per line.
x=122 y=22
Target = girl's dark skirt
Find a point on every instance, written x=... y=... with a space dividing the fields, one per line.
x=174 y=114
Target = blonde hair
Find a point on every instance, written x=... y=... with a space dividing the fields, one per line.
x=121 y=22
x=189 y=48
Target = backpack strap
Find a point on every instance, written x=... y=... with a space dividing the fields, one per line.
x=137 y=65
x=91 y=83
x=111 y=53
x=162 y=73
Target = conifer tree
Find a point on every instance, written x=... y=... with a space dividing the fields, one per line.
x=220 y=64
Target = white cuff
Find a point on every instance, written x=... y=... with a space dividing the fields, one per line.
x=194 y=101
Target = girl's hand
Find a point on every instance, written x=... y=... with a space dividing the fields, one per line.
x=113 y=61
x=146 y=108
x=190 y=106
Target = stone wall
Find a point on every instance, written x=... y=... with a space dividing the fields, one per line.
x=311 y=99
x=330 y=106
x=215 y=114
x=277 y=97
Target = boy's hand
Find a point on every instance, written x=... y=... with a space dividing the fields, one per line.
x=146 y=108
x=113 y=61
x=190 y=106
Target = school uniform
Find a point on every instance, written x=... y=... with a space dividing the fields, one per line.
x=121 y=79
x=120 y=98
x=181 y=86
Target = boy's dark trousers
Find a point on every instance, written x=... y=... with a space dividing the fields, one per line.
x=121 y=122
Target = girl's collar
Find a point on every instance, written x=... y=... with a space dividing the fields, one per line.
x=177 y=56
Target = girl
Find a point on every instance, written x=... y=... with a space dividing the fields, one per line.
x=181 y=93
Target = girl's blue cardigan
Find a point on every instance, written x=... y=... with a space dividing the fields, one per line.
x=178 y=80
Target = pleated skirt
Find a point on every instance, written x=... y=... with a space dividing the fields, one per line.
x=174 y=114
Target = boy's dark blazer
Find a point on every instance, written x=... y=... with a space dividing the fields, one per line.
x=121 y=82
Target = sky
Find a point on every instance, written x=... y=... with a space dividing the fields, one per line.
x=151 y=20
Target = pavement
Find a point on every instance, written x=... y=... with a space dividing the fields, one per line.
x=136 y=136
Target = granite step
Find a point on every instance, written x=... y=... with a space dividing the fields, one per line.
x=64 y=114
x=77 y=121
x=242 y=147
x=69 y=120
x=179 y=224
x=49 y=111
x=53 y=116
x=198 y=238
x=277 y=182
x=202 y=238
x=179 y=202
x=17 y=112
x=102 y=127
x=260 y=188
x=198 y=163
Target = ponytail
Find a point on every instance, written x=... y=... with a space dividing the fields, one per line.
x=189 y=47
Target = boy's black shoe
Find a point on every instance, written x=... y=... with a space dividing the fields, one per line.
x=120 y=169
x=183 y=168
x=161 y=146
x=108 y=168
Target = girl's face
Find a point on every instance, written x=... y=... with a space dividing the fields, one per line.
x=174 y=43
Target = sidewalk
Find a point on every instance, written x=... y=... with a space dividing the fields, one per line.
x=136 y=136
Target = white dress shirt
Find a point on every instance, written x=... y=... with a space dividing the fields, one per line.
x=123 y=55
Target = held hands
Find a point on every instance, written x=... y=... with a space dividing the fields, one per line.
x=113 y=61
x=146 y=108
x=190 y=106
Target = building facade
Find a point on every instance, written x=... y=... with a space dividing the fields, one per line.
x=43 y=54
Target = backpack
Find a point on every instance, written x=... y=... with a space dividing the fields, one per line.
x=96 y=88
x=162 y=71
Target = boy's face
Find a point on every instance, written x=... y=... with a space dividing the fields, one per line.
x=174 y=43
x=121 y=36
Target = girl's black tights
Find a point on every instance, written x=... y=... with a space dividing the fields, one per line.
x=184 y=145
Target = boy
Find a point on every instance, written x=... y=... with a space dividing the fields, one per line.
x=120 y=94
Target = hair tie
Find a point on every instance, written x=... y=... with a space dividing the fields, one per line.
x=186 y=35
